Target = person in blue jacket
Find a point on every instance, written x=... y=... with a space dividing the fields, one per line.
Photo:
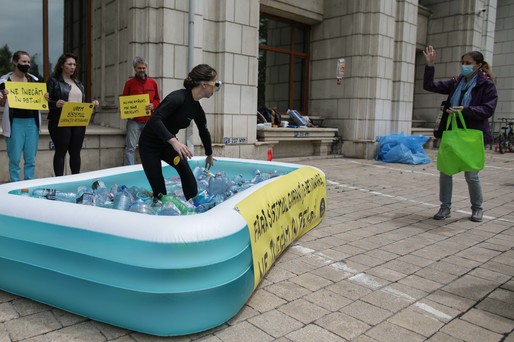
x=473 y=93
x=158 y=140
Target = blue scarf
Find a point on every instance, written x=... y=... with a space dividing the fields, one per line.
x=462 y=94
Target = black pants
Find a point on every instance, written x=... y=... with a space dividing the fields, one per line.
x=66 y=139
x=151 y=156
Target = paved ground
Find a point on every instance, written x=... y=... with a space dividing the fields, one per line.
x=378 y=268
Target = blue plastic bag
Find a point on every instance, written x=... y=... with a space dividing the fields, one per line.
x=399 y=148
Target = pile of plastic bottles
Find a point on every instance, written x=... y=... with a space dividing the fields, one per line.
x=213 y=189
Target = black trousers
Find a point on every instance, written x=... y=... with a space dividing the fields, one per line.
x=151 y=156
x=66 y=140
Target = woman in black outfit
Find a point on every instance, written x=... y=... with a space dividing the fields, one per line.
x=158 y=140
x=64 y=86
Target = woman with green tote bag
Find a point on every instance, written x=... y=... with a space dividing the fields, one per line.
x=473 y=93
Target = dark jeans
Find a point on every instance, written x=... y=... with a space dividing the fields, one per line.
x=66 y=140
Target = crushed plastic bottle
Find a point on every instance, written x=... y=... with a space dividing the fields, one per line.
x=217 y=184
x=184 y=207
x=55 y=195
x=122 y=200
x=141 y=207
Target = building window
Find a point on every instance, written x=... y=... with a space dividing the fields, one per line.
x=46 y=29
x=283 y=64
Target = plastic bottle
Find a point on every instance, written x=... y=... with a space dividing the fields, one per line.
x=169 y=209
x=122 y=200
x=53 y=194
x=25 y=192
x=181 y=206
x=98 y=184
x=141 y=207
x=217 y=184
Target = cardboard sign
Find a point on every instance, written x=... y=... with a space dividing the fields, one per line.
x=27 y=95
x=133 y=106
x=76 y=114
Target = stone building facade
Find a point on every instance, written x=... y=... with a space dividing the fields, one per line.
x=380 y=40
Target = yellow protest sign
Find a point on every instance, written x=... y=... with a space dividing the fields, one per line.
x=76 y=114
x=133 y=106
x=27 y=95
x=280 y=213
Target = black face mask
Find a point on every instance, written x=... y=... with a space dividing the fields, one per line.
x=23 y=67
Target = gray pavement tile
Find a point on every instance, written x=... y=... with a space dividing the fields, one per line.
x=85 y=331
x=349 y=289
x=28 y=307
x=67 y=318
x=489 y=321
x=312 y=332
x=251 y=333
x=417 y=322
x=385 y=273
x=435 y=310
x=469 y=332
x=499 y=267
x=388 y=332
x=436 y=275
x=366 y=312
x=328 y=300
x=420 y=283
x=442 y=337
x=263 y=301
x=343 y=325
x=311 y=281
x=451 y=300
x=490 y=275
x=8 y=312
x=303 y=310
x=287 y=290
x=31 y=325
x=471 y=287
x=276 y=323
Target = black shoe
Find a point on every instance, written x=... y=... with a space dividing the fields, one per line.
x=476 y=215
x=442 y=213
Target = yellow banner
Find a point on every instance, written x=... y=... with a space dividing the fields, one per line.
x=133 y=106
x=76 y=114
x=27 y=95
x=280 y=213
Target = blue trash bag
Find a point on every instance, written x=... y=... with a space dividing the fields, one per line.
x=399 y=148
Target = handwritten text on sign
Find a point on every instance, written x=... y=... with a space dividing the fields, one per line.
x=280 y=213
x=27 y=95
x=76 y=114
x=133 y=106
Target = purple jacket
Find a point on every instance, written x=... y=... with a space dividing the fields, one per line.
x=483 y=100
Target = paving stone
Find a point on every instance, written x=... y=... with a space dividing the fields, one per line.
x=489 y=321
x=446 y=267
x=311 y=281
x=435 y=310
x=436 y=275
x=401 y=266
x=31 y=325
x=8 y=312
x=328 y=299
x=478 y=254
x=109 y=331
x=332 y=273
x=386 y=273
x=366 y=312
x=275 y=323
x=414 y=321
x=416 y=260
x=497 y=307
x=250 y=332
x=4 y=336
x=80 y=332
x=349 y=289
x=387 y=300
x=67 y=318
x=7 y=297
x=442 y=337
x=489 y=275
x=313 y=332
x=278 y=273
x=343 y=325
x=420 y=283
x=304 y=311
x=388 y=332
x=263 y=301
x=499 y=267
x=471 y=287
x=287 y=290
x=245 y=313
x=469 y=332
x=28 y=307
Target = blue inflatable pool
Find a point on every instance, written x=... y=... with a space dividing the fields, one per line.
x=161 y=275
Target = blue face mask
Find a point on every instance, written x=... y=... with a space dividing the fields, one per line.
x=466 y=70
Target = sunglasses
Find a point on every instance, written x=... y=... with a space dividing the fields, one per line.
x=215 y=84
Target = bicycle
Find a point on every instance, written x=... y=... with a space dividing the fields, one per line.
x=506 y=138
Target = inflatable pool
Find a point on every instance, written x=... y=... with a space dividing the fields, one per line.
x=161 y=275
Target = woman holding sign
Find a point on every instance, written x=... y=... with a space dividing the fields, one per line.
x=21 y=126
x=158 y=140
x=63 y=87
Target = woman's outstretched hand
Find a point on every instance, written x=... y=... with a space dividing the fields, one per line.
x=182 y=150
x=430 y=54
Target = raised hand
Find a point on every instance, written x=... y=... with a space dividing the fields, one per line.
x=430 y=55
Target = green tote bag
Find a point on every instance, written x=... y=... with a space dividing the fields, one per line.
x=461 y=149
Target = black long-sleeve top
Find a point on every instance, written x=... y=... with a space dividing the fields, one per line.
x=173 y=114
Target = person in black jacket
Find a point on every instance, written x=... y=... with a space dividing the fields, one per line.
x=64 y=86
x=158 y=140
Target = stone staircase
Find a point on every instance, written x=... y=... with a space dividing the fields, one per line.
x=420 y=127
